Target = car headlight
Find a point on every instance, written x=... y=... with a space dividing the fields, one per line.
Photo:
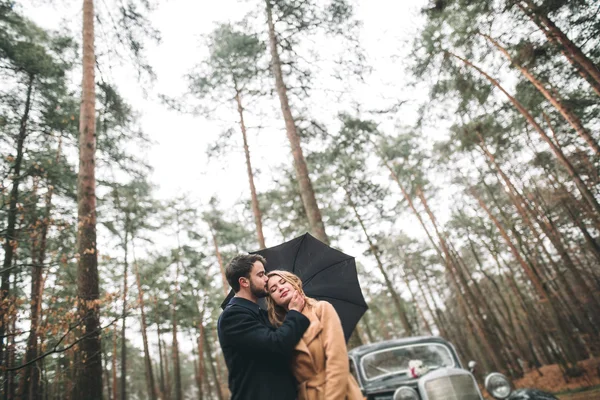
x=405 y=393
x=497 y=385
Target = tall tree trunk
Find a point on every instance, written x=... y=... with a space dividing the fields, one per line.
x=586 y=67
x=411 y=204
x=176 y=364
x=219 y=258
x=201 y=369
x=221 y=367
x=459 y=280
x=306 y=189
x=368 y=330
x=429 y=309
x=162 y=387
x=525 y=209
x=585 y=191
x=32 y=376
x=199 y=342
x=540 y=289
x=106 y=378
x=11 y=353
x=196 y=371
x=10 y=242
x=254 y=198
x=41 y=256
x=147 y=360
x=124 y=314
x=398 y=303
x=89 y=376
x=115 y=386
x=168 y=386
x=553 y=98
x=211 y=362
x=416 y=302
x=591 y=242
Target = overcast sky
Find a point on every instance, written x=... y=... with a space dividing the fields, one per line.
x=178 y=156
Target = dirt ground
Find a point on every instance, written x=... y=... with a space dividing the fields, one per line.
x=593 y=394
x=551 y=380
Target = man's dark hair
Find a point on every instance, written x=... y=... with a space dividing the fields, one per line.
x=240 y=266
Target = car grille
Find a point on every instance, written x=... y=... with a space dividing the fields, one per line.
x=453 y=387
x=388 y=396
x=383 y=396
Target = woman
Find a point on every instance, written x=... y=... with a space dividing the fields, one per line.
x=320 y=361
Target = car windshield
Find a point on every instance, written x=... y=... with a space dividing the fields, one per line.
x=395 y=360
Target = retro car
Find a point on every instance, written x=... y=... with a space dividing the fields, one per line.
x=425 y=368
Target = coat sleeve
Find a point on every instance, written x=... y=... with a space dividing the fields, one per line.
x=243 y=330
x=337 y=366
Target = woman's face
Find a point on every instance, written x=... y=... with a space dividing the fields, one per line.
x=280 y=290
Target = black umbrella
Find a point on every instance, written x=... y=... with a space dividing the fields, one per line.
x=326 y=273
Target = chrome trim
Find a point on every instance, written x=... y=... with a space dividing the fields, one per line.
x=416 y=395
x=441 y=373
x=487 y=379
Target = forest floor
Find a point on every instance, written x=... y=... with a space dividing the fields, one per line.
x=585 y=387
x=591 y=394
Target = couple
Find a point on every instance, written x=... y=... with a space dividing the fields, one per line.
x=294 y=350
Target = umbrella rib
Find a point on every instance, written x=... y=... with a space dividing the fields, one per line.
x=298 y=251
x=324 y=269
x=345 y=301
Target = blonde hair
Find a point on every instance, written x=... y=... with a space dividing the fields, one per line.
x=276 y=312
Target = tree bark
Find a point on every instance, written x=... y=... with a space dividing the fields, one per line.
x=32 y=375
x=115 y=387
x=147 y=360
x=306 y=189
x=124 y=314
x=162 y=388
x=416 y=302
x=553 y=98
x=211 y=363
x=585 y=191
x=106 y=379
x=168 y=387
x=176 y=364
x=540 y=290
x=453 y=270
x=10 y=242
x=197 y=372
x=89 y=377
x=525 y=209
x=586 y=67
x=429 y=309
x=254 y=198
x=201 y=370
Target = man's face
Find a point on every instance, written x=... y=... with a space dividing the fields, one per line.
x=258 y=280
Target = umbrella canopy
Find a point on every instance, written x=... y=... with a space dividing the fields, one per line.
x=326 y=273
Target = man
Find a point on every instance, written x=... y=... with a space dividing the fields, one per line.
x=257 y=354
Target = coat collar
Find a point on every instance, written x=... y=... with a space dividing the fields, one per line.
x=313 y=330
x=250 y=305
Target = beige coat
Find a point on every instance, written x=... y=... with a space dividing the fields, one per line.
x=320 y=362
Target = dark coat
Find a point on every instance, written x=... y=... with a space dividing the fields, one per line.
x=258 y=355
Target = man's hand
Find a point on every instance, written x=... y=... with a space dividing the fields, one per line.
x=297 y=302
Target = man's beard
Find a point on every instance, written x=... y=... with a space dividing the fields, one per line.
x=258 y=291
